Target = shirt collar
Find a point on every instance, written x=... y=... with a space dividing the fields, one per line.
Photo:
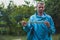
x=40 y=16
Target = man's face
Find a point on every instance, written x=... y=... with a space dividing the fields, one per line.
x=40 y=8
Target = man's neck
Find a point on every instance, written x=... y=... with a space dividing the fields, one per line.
x=40 y=14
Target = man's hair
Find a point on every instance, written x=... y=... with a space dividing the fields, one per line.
x=40 y=2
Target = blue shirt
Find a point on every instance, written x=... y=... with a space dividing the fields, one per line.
x=37 y=30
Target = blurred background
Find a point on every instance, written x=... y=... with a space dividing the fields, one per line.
x=12 y=12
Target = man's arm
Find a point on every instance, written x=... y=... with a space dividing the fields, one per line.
x=28 y=26
x=52 y=27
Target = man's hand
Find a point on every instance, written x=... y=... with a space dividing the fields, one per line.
x=23 y=23
x=47 y=23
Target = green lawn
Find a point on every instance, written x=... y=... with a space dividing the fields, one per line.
x=7 y=37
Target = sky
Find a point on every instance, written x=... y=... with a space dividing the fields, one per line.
x=17 y=2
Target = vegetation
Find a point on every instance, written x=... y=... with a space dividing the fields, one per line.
x=11 y=17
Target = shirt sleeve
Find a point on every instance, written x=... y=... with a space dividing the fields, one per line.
x=28 y=27
x=52 y=27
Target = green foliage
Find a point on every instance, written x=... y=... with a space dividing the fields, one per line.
x=52 y=7
x=11 y=17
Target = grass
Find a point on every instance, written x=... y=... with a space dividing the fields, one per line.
x=56 y=37
x=8 y=37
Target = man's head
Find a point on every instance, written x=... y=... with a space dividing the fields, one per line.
x=40 y=6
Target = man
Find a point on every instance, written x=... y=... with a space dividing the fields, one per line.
x=40 y=25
